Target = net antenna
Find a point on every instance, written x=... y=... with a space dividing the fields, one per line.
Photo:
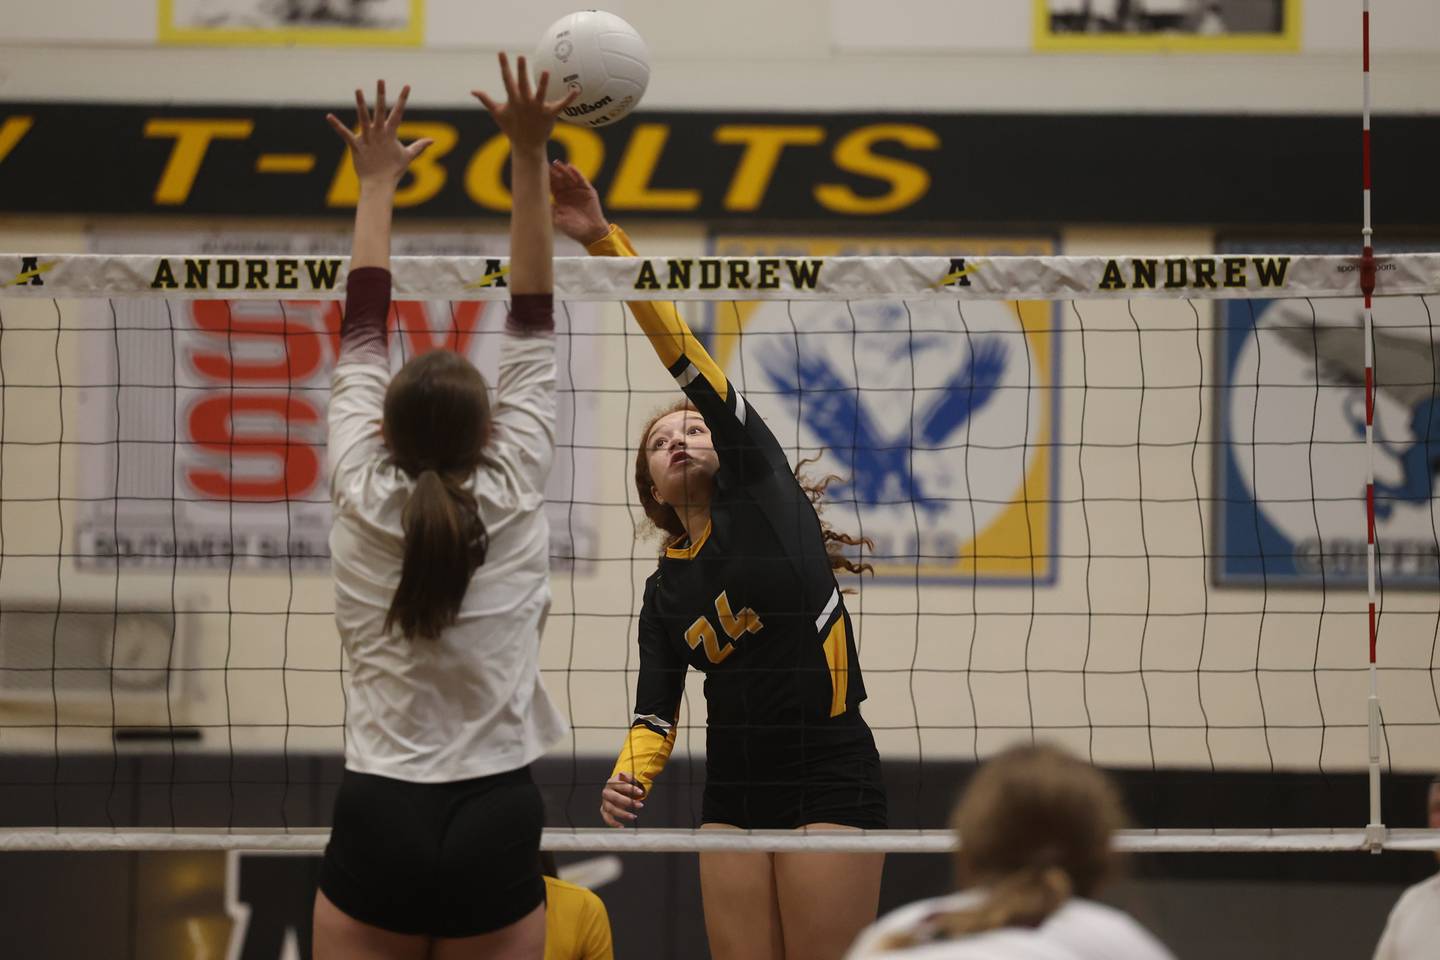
x=1375 y=828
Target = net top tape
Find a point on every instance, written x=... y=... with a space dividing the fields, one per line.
x=689 y=841
x=234 y=277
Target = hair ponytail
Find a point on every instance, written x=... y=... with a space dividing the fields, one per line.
x=437 y=422
x=1035 y=827
x=445 y=543
x=1026 y=898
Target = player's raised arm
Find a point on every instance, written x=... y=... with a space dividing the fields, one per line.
x=363 y=369
x=524 y=415
x=527 y=119
x=380 y=162
x=580 y=217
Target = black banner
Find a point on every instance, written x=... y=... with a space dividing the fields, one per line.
x=1013 y=169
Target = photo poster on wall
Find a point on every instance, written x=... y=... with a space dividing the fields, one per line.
x=1163 y=26
x=221 y=439
x=291 y=22
x=913 y=406
x=1290 y=414
x=1094 y=26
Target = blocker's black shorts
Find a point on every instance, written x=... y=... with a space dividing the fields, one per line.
x=785 y=777
x=439 y=859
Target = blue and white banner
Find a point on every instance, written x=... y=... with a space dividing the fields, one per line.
x=938 y=421
x=1292 y=464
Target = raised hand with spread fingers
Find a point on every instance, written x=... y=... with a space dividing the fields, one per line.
x=380 y=161
x=527 y=119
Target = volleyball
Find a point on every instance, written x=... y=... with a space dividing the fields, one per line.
x=600 y=56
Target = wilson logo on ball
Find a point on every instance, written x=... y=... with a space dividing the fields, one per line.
x=580 y=109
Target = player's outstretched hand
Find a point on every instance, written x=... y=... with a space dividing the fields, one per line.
x=526 y=117
x=577 y=210
x=375 y=146
x=621 y=801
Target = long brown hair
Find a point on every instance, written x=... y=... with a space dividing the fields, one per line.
x=437 y=420
x=1035 y=827
x=663 y=516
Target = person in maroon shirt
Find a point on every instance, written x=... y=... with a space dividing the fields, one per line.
x=433 y=852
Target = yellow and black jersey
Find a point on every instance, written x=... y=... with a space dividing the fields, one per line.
x=752 y=602
x=577 y=926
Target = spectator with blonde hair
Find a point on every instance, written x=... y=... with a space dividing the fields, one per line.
x=1035 y=827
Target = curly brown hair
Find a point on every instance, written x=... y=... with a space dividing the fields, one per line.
x=663 y=516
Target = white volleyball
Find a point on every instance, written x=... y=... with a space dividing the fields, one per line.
x=602 y=57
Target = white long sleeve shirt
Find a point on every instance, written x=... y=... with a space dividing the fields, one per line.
x=469 y=703
x=1412 y=931
x=1078 y=930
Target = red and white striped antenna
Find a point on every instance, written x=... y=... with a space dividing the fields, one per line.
x=1375 y=829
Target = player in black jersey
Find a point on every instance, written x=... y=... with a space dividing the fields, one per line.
x=746 y=593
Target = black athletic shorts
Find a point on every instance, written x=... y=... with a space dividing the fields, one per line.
x=440 y=859
x=789 y=776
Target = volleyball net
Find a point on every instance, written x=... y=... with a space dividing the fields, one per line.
x=1116 y=503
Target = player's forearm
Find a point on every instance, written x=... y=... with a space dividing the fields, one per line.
x=661 y=323
x=370 y=246
x=362 y=326
x=644 y=754
x=531 y=243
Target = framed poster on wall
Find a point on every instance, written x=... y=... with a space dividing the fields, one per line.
x=1166 y=26
x=1291 y=462
x=914 y=408
x=291 y=22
